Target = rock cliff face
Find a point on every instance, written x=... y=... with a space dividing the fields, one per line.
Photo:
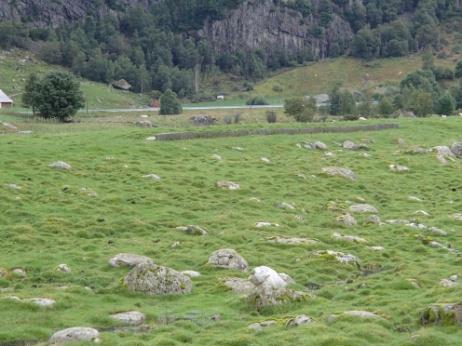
x=57 y=12
x=260 y=24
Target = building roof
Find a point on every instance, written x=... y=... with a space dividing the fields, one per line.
x=4 y=98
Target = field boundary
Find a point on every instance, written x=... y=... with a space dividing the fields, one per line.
x=176 y=136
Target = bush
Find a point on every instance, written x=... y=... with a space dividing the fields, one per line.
x=271 y=117
x=257 y=101
x=300 y=109
x=277 y=88
x=386 y=107
x=446 y=104
x=169 y=104
x=228 y=119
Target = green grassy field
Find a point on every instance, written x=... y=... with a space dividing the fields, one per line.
x=50 y=221
x=16 y=66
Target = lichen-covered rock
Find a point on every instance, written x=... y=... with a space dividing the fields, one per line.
x=456 y=149
x=132 y=318
x=228 y=185
x=265 y=276
x=348 y=238
x=75 y=334
x=259 y=326
x=347 y=220
x=294 y=241
x=398 y=168
x=228 y=259
x=152 y=176
x=350 y=145
x=444 y=154
x=144 y=123
x=449 y=314
x=152 y=279
x=128 y=260
x=286 y=206
x=338 y=256
x=239 y=286
x=60 y=165
x=63 y=268
x=339 y=172
x=298 y=321
x=318 y=145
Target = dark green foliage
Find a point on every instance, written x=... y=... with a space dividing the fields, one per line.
x=271 y=117
x=169 y=104
x=446 y=104
x=342 y=102
x=385 y=107
x=57 y=95
x=301 y=109
x=257 y=101
x=458 y=72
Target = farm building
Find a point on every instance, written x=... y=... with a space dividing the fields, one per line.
x=5 y=101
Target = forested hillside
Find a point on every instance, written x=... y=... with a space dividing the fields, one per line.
x=158 y=44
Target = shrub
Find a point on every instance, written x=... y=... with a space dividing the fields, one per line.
x=169 y=104
x=271 y=117
x=277 y=88
x=300 y=109
x=257 y=101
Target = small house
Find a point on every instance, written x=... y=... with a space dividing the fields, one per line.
x=5 y=101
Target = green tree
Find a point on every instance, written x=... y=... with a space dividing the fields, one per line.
x=458 y=72
x=57 y=95
x=386 y=107
x=169 y=104
x=302 y=110
x=446 y=104
x=31 y=91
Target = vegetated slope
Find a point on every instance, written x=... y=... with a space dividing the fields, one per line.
x=16 y=66
x=352 y=74
x=51 y=220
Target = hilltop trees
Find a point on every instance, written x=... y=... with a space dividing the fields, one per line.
x=57 y=95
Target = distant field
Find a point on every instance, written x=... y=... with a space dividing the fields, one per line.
x=16 y=66
x=51 y=220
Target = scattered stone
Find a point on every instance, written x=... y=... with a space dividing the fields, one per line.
x=265 y=276
x=363 y=209
x=259 y=326
x=298 y=321
x=152 y=279
x=266 y=224
x=191 y=273
x=75 y=334
x=228 y=259
x=19 y=272
x=414 y=199
x=338 y=256
x=442 y=314
x=202 y=120
x=315 y=145
x=401 y=142
x=12 y=187
x=286 y=206
x=192 y=230
x=377 y=248
x=287 y=278
x=151 y=138
x=450 y=282
x=255 y=199
x=418 y=151
x=456 y=149
x=362 y=314
x=132 y=318
x=88 y=192
x=63 y=268
x=153 y=177
x=240 y=286
x=374 y=220
x=398 y=168
x=238 y=148
x=228 y=185
x=348 y=238
x=292 y=241
x=347 y=220
x=144 y=116
x=42 y=302
x=444 y=154
x=457 y=216
x=217 y=157
x=8 y=126
x=144 y=123
x=60 y=165
x=422 y=213
x=339 y=172
x=329 y=154
x=350 y=145
x=265 y=160
x=129 y=260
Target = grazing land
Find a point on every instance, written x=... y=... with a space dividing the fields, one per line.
x=105 y=205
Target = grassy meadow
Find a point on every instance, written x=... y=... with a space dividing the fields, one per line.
x=51 y=220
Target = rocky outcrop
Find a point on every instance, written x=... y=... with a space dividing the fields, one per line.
x=261 y=24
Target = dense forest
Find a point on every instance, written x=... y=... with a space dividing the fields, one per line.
x=157 y=45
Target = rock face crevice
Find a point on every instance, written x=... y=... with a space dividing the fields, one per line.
x=260 y=24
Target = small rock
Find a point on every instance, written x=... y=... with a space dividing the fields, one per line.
x=268 y=277
x=19 y=273
x=286 y=206
x=63 y=268
x=132 y=318
x=374 y=220
x=217 y=157
x=422 y=213
x=228 y=259
x=340 y=172
x=191 y=273
x=338 y=256
x=447 y=283
x=377 y=248
x=348 y=238
x=457 y=216
x=444 y=154
x=75 y=334
x=152 y=280
x=398 y=168
x=442 y=314
x=151 y=138
x=298 y=321
x=363 y=209
x=292 y=241
x=266 y=224
x=265 y=160
x=347 y=220
x=12 y=187
x=192 y=230
x=228 y=185
x=259 y=326
x=144 y=123
x=239 y=286
x=414 y=199
x=153 y=177
x=42 y=302
x=238 y=148
x=315 y=145
x=255 y=199
x=60 y=165
x=456 y=149
x=361 y=314
x=129 y=260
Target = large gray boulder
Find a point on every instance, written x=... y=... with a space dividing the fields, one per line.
x=153 y=280
x=75 y=335
x=444 y=154
x=129 y=260
x=228 y=259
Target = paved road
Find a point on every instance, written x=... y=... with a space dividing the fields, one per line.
x=199 y=108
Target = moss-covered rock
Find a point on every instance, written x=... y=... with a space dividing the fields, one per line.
x=448 y=314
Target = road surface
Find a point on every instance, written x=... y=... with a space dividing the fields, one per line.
x=190 y=108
